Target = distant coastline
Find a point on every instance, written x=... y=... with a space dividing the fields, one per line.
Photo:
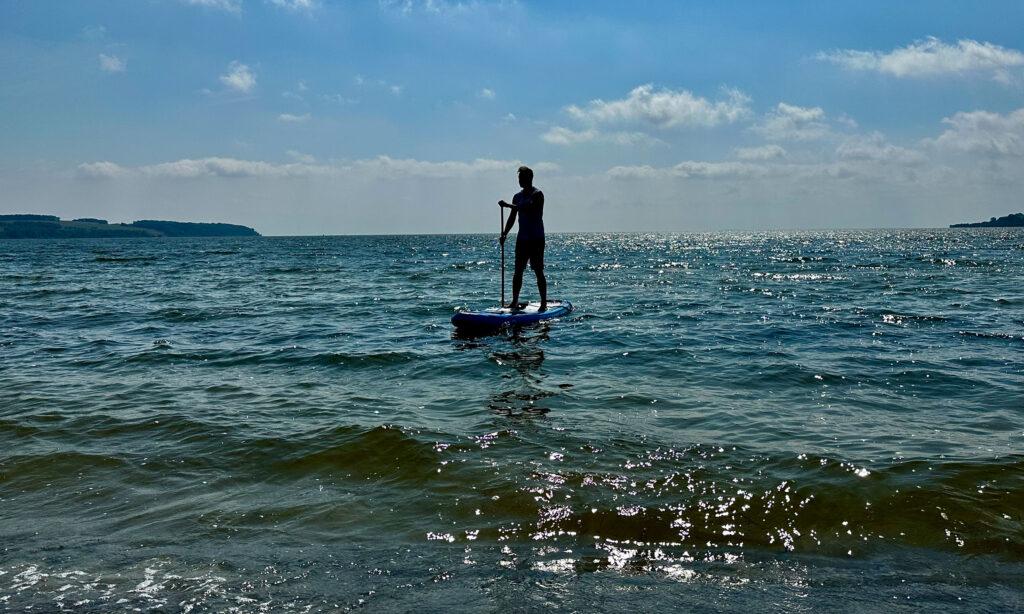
x=1012 y=220
x=33 y=226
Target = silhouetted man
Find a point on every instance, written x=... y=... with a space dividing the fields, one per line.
x=528 y=207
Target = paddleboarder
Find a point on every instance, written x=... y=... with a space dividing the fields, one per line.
x=528 y=207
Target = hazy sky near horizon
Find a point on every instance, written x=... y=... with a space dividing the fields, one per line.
x=405 y=116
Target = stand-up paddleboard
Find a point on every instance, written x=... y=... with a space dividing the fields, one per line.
x=496 y=317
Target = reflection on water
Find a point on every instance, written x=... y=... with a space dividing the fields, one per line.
x=519 y=350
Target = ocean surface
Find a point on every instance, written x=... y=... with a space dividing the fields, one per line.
x=755 y=422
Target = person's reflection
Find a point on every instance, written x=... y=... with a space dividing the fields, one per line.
x=525 y=360
x=522 y=365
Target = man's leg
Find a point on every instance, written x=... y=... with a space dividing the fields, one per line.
x=537 y=262
x=542 y=287
x=517 y=285
x=522 y=257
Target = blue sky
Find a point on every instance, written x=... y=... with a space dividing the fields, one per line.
x=324 y=117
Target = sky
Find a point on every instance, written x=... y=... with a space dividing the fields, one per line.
x=310 y=117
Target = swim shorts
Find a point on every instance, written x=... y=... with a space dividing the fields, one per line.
x=532 y=251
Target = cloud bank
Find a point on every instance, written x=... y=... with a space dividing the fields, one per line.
x=559 y=135
x=383 y=167
x=930 y=57
x=665 y=109
x=983 y=132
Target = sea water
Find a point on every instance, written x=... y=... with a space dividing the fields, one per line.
x=777 y=421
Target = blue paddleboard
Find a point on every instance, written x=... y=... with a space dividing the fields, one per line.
x=495 y=317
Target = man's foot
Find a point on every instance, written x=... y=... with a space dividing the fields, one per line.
x=544 y=306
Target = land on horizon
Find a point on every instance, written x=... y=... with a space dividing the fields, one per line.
x=40 y=226
x=1007 y=221
x=34 y=226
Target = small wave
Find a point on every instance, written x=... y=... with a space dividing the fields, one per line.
x=182 y=315
x=125 y=258
x=289 y=270
x=36 y=471
x=1002 y=336
x=292 y=357
x=802 y=259
x=44 y=292
x=953 y=262
x=899 y=319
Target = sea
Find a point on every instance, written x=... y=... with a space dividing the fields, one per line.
x=802 y=421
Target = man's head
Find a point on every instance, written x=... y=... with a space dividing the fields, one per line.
x=525 y=177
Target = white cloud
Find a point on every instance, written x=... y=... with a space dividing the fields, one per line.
x=338 y=99
x=721 y=170
x=487 y=94
x=100 y=170
x=875 y=148
x=294 y=5
x=446 y=8
x=383 y=167
x=558 y=135
x=361 y=81
x=214 y=167
x=300 y=157
x=869 y=172
x=931 y=57
x=983 y=132
x=564 y=136
x=239 y=78
x=697 y=170
x=288 y=117
x=111 y=63
x=634 y=172
x=691 y=169
x=665 y=108
x=765 y=152
x=790 y=122
x=233 y=6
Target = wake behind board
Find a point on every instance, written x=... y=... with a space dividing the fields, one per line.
x=495 y=317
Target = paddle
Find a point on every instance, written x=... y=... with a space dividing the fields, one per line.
x=501 y=229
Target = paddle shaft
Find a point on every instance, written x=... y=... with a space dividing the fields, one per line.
x=501 y=229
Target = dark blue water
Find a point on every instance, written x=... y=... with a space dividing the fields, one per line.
x=822 y=421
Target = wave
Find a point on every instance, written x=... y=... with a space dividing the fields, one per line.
x=125 y=258
x=802 y=259
x=164 y=353
x=993 y=336
x=698 y=496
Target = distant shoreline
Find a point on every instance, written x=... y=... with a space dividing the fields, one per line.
x=1007 y=221
x=32 y=226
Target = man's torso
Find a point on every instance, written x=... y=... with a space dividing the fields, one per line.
x=531 y=219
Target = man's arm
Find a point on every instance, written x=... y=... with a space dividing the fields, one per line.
x=536 y=202
x=511 y=219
